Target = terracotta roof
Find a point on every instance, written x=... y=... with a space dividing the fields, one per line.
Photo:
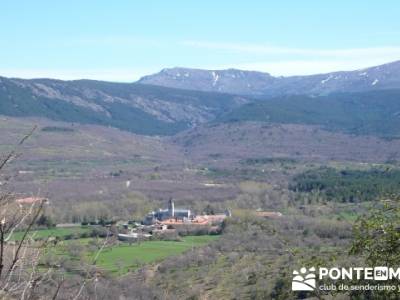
x=215 y=217
x=199 y=220
x=31 y=200
x=174 y=221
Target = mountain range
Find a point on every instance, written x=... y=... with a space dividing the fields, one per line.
x=361 y=102
x=143 y=109
x=263 y=84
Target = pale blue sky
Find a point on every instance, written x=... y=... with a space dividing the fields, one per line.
x=123 y=40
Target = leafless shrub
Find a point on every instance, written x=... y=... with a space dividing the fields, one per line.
x=19 y=259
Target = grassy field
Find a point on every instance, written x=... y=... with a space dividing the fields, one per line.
x=125 y=257
x=53 y=232
x=121 y=258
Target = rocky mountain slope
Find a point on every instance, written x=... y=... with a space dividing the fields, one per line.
x=365 y=102
x=263 y=84
x=227 y=81
x=138 y=108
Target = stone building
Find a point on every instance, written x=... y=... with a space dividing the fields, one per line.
x=170 y=213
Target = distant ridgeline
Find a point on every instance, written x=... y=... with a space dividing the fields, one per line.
x=142 y=109
x=348 y=185
x=365 y=113
x=155 y=110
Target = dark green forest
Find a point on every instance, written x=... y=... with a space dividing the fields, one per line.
x=348 y=185
x=367 y=113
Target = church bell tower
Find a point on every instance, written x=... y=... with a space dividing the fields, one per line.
x=171 y=207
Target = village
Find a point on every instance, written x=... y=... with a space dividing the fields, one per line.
x=160 y=224
x=164 y=222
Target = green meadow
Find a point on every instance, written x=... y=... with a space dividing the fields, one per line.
x=121 y=257
x=125 y=257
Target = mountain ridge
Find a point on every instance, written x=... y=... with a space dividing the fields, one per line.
x=134 y=107
x=386 y=76
x=150 y=109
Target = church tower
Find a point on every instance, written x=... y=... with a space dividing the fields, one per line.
x=171 y=207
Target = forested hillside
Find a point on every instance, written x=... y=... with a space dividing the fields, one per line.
x=366 y=113
x=143 y=109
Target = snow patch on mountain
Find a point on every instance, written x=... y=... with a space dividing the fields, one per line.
x=327 y=79
x=215 y=78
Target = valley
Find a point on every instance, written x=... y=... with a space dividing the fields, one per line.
x=105 y=155
x=204 y=165
x=199 y=150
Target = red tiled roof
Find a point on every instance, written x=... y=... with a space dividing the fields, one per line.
x=30 y=200
x=199 y=220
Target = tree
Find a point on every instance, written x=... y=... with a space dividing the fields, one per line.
x=46 y=220
x=19 y=259
x=377 y=240
x=377 y=235
x=24 y=273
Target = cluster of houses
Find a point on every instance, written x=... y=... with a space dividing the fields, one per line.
x=171 y=212
x=164 y=221
x=176 y=216
x=170 y=219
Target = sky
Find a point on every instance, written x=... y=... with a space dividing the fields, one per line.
x=124 y=40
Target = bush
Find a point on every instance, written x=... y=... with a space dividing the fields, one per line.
x=99 y=232
x=333 y=229
x=84 y=235
x=167 y=236
x=46 y=221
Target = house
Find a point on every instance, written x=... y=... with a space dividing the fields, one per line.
x=133 y=236
x=32 y=200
